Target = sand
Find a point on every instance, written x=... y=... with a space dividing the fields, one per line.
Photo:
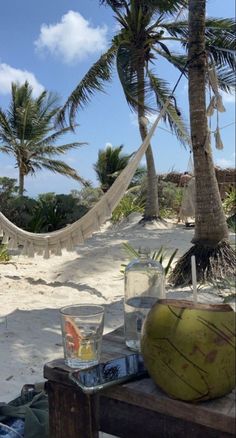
x=33 y=290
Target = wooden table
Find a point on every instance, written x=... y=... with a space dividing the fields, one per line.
x=132 y=410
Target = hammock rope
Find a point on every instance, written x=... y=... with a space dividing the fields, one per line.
x=216 y=103
x=76 y=233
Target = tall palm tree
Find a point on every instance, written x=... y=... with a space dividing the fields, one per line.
x=111 y=161
x=146 y=27
x=215 y=258
x=27 y=133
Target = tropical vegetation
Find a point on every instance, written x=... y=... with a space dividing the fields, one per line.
x=160 y=255
x=130 y=203
x=111 y=161
x=4 y=255
x=48 y=212
x=229 y=206
x=145 y=29
x=27 y=134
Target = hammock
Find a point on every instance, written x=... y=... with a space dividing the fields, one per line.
x=74 y=234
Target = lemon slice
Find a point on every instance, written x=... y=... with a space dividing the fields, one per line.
x=86 y=352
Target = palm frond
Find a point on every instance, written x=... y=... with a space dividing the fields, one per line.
x=127 y=68
x=178 y=61
x=5 y=128
x=114 y=4
x=170 y=7
x=226 y=79
x=49 y=150
x=51 y=139
x=220 y=41
x=220 y=38
x=173 y=115
x=93 y=81
x=57 y=166
x=176 y=28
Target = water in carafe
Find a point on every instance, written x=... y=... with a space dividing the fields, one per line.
x=144 y=284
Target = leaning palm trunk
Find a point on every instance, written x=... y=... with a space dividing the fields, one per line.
x=151 y=207
x=21 y=182
x=215 y=257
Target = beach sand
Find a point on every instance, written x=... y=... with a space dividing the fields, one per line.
x=33 y=290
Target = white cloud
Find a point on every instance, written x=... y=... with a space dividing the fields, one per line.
x=223 y=162
x=10 y=74
x=73 y=38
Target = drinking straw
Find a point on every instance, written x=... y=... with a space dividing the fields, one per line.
x=194 y=278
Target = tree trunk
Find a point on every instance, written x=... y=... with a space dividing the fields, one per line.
x=215 y=258
x=151 y=206
x=210 y=222
x=21 y=182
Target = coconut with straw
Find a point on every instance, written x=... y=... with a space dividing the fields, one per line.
x=189 y=347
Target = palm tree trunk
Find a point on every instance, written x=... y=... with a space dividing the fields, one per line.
x=215 y=259
x=210 y=222
x=21 y=182
x=151 y=206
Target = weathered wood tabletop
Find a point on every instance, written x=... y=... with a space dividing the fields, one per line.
x=137 y=409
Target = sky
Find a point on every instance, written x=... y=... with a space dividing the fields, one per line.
x=52 y=44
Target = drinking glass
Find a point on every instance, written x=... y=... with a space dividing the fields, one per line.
x=82 y=329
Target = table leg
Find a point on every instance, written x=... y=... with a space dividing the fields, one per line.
x=72 y=414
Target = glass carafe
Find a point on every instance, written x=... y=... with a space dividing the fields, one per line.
x=144 y=284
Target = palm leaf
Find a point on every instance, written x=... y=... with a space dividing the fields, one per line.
x=127 y=68
x=172 y=115
x=53 y=137
x=93 y=81
x=130 y=250
x=57 y=166
x=158 y=255
x=170 y=7
x=226 y=79
x=114 y=4
x=220 y=38
x=178 y=61
x=49 y=150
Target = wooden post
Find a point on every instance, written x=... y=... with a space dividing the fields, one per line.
x=71 y=412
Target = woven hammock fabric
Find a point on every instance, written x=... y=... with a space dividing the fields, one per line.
x=74 y=234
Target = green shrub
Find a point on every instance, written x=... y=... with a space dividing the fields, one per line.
x=170 y=198
x=129 y=204
x=4 y=256
x=54 y=212
x=229 y=203
x=49 y=212
x=20 y=211
x=160 y=255
x=87 y=196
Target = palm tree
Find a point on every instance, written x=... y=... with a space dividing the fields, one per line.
x=215 y=258
x=110 y=163
x=145 y=29
x=27 y=133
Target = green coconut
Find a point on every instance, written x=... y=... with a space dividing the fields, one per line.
x=189 y=350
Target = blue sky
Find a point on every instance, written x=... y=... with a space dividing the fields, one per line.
x=53 y=44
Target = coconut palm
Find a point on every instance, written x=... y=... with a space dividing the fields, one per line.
x=214 y=256
x=110 y=163
x=146 y=27
x=27 y=133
